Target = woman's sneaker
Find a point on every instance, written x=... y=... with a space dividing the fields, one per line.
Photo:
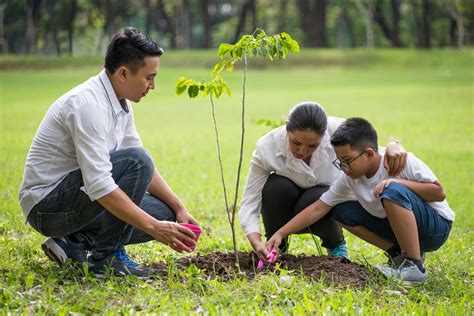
x=59 y=250
x=408 y=272
x=340 y=251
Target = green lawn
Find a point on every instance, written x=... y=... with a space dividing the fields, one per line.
x=423 y=98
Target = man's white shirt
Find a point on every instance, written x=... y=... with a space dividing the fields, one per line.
x=79 y=131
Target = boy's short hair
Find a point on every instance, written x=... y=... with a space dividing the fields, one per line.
x=129 y=48
x=357 y=132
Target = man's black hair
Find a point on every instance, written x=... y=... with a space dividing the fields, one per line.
x=307 y=116
x=357 y=132
x=129 y=48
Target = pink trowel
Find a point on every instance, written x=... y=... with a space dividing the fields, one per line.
x=271 y=258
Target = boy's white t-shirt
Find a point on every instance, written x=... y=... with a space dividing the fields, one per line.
x=362 y=189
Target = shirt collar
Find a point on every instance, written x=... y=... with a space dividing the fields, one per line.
x=110 y=94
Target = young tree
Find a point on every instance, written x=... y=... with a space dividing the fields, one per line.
x=259 y=44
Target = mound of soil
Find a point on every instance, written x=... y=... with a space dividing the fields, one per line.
x=221 y=265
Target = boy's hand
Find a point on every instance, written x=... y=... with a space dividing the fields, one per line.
x=395 y=158
x=382 y=185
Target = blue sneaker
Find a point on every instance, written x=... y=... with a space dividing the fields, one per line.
x=340 y=251
x=59 y=250
x=121 y=255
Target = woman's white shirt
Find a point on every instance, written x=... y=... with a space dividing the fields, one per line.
x=272 y=155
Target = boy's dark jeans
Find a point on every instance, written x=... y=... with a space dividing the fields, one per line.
x=68 y=212
x=282 y=199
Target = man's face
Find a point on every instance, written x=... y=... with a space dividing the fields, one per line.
x=357 y=162
x=137 y=85
x=302 y=144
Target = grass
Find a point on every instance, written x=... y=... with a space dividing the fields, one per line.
x=424 y=98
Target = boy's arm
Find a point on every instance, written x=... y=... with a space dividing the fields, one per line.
x=428 y=192
x=305 y=218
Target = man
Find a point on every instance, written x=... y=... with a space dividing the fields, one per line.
x=88 y=182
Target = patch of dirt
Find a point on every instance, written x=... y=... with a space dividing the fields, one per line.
x=221 y=265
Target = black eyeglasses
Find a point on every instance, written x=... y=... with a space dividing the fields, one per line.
x=345 y=165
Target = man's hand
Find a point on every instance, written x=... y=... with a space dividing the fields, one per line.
x=184 y=216
x=258 y=246
x=173 y=235
x=395 y=158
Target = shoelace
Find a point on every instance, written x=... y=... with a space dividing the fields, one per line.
x=121 y=255
x=340 y=251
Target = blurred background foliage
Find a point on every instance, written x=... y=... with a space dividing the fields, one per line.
x=84 y=27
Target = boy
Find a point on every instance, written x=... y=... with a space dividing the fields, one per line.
x=405 y=216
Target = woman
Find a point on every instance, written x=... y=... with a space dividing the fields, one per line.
x=291 y=168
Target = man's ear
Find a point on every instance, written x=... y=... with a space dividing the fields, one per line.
x=122 y=72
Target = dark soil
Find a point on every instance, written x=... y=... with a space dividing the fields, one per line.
x=331 y=269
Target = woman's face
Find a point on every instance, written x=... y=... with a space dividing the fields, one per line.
x=303 y=143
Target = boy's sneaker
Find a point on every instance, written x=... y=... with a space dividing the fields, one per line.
x=408 y=272
x=396 y=262
x=340 y=251
x=59 y=250
x=119 y=265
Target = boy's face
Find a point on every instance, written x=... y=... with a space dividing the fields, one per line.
x=356 y=163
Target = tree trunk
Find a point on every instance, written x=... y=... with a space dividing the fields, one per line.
x=457 y=23
x=367 y=15
x=206 y=21
x=72 y=18
x=170 y=26
x=313 y=21
x=391 y=33
x=343 y=28
x=282 y=16
x=3 y=43
x=32 y=16
x=248 y=7
x=183 y=21
x=424 y=28
x=150 y=13
x=53 y=29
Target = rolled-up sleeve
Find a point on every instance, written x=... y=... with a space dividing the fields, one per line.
x=88 y=128
x=249 y=213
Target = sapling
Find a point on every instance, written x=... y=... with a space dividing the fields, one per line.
x=258 y=44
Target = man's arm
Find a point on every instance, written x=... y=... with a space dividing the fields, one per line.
x=159 y=188
x=121 y=206
x=305 y=218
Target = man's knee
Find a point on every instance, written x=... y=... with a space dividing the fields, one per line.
x=140 y=156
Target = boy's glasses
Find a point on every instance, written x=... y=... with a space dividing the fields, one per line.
x=345 y=165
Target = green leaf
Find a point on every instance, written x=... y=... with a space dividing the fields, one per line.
x=193 y=91
x=224 y=49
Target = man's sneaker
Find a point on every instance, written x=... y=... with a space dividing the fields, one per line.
x=117 y=267
x=408 y=272
x=121 y=255
x=59 y=250
x=340 y=251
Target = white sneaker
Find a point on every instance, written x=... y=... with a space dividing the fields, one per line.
x=408 y=272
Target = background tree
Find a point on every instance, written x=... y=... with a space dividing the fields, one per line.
x=313 y=22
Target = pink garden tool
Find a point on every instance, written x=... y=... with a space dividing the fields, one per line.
x=197 y=232
x=271 y=258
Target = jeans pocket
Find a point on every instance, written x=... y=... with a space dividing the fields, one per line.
x=58 y=224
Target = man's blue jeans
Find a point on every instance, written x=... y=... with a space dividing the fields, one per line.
x=433 y=230
x=68 y=212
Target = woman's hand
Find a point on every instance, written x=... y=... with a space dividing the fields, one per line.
x=382 y=185
x=258 y=246
x=173 y=235
x=395 y=158
x=274 y=243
